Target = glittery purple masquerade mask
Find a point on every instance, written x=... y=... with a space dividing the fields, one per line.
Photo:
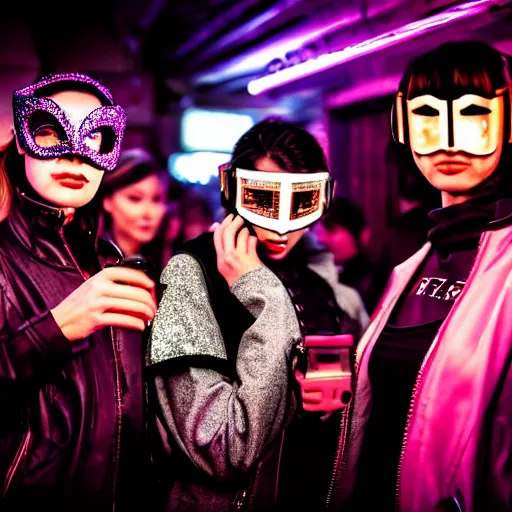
x=45 y=131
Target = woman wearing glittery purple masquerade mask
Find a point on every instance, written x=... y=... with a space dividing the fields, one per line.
x=71 y=330
x=54 y=131
x=45 y=130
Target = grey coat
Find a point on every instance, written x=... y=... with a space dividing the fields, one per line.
x=226 y=428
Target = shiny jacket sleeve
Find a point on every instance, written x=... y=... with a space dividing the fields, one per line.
x=223 y=426
x=29 y=348
x=499 y=477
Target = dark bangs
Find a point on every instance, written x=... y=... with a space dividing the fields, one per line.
x=457 y=68
x=291 y=147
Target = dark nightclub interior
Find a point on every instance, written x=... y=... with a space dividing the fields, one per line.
x=170 y=64
x=255 y=255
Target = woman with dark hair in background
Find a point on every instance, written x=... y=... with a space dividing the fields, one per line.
x=238 y=303
x=431 y=427
x=196 y=214
x=192 y=216
x=410 y=223
x=134 y=206
x=72 y=428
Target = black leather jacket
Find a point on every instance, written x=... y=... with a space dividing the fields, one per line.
x=72 y=425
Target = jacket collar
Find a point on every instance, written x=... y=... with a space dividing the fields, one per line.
x=43 y=214
x=503 y=215
x=39 y=227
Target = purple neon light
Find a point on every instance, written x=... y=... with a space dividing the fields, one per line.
x=330 y=60
x=258 y=59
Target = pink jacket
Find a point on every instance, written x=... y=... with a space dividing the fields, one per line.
x=462 y=403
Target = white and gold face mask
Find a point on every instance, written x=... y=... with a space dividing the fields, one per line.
x=470 y=123
x=281 y=201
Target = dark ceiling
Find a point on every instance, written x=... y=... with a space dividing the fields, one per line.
x=212 y=48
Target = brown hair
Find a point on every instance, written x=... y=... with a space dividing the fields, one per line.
x=5 y=182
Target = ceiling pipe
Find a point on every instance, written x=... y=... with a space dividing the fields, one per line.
x=382 y=41
x=152 y=13
x=215 y=26
x=255 y=60
x=244 y=31
x=376 y=88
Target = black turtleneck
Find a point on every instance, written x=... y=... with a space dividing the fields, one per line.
x=312 y=297
x=405 y=340
x=310 y=444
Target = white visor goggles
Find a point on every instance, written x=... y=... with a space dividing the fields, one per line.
x=281 y=201
x=471 y=123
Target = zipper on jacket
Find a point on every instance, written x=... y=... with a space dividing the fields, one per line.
x=409 y=416
x=119 y=412
x=70 y=254
x=342 y=439
x=340 y=462
x=16 y=463
x=419 y=377
x=118 y=396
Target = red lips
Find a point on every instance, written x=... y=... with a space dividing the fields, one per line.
x=452 y=164
x=275 y=246
x=70 y=180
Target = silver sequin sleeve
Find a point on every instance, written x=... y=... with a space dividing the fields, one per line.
x=224 y=426
x=184 y=324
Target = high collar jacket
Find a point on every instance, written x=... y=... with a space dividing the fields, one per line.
x=458 y=440
x=72 y=426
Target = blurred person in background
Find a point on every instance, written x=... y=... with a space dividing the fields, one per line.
x=343 y=230
x=239 y=305
x=409 y=227
x=134 y=206
x=171 y=227
x=72 y=428
x=196 y=217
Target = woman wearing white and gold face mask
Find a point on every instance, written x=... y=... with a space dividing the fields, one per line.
x=431 y=423
x=237 y=304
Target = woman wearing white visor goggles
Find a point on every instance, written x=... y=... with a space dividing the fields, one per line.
x=282 y=202
x=239 y=304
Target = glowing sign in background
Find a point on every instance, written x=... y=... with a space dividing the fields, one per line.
x=210 y=130
x=198 y=167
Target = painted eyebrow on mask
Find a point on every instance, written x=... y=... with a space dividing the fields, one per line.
x=475 y=110
x=426 y=110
